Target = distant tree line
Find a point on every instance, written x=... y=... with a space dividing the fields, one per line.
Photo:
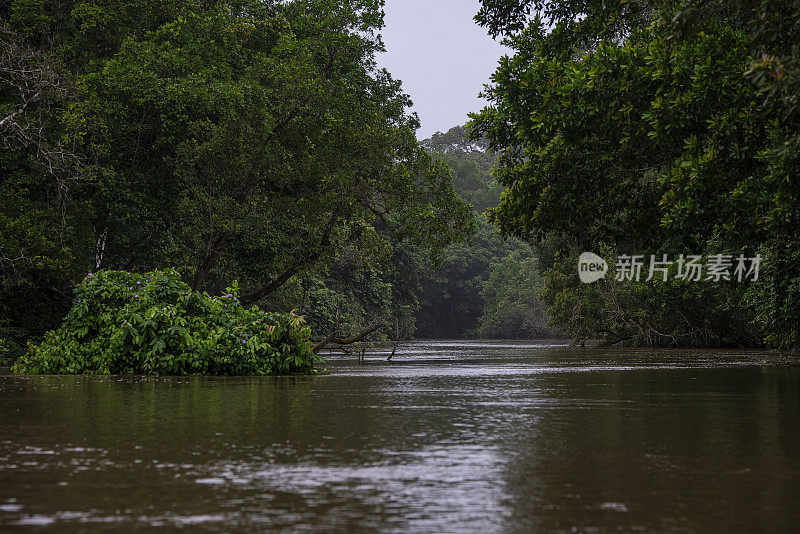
x=487 y=286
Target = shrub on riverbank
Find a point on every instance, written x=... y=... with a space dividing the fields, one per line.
x=153 y=323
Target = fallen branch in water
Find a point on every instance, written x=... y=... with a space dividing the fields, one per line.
x=332 y=339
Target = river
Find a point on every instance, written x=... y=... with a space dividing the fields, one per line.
x=450 y=436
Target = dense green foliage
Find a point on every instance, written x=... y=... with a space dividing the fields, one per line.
x=649 y=127
x=409 y=293
x=258 y=141
x=254 y=140
x=153 y=323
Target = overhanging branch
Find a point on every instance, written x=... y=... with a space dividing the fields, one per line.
x=332 y=339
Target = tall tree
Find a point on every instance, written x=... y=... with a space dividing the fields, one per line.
x=229 y=139
x=652 y=126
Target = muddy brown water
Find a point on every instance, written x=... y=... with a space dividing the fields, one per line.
x=450 y=436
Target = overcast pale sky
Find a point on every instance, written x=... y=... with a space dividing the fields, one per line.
x=442 y=57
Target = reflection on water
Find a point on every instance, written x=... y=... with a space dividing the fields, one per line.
x=449 y=436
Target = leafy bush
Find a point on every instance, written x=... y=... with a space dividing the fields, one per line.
x=153 y=323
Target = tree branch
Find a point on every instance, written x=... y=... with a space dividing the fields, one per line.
x=293 y=269
x=346 y=341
